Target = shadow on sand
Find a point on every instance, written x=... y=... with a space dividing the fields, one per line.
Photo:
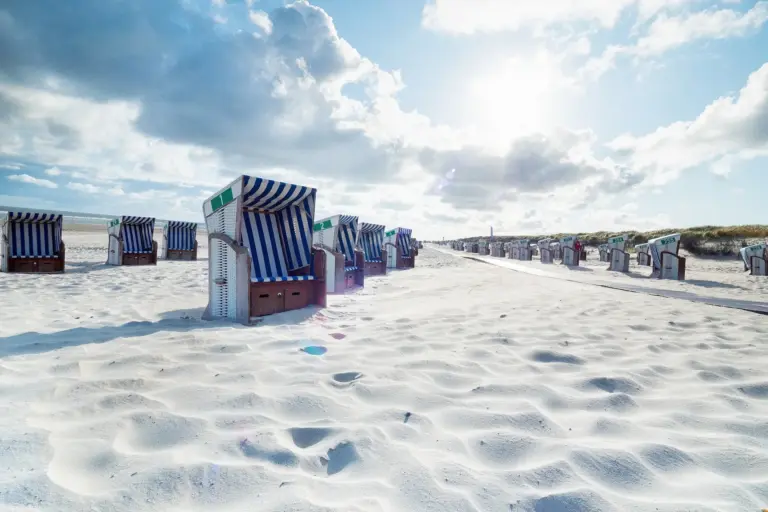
x=181 y=320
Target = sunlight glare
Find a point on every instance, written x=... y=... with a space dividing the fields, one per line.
x=515 y=100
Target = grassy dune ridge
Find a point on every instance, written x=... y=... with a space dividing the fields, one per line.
x=700 y=240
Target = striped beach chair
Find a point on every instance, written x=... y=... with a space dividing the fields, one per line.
x=261 y=259
x=32 y=242
x=131 y=241
x=345 y=267
x=398 y=245
x=179 y=241
x=371 y=241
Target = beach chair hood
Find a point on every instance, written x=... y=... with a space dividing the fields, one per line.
x=371 y=241
x=33 y=235
x=181 y=235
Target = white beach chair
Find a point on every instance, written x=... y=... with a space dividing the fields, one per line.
x=568 y=252
x=524 y=250
x=344 y=261
x=643 y=254
x=131 y=241
x=179 y=241
x=31 y=242
x=667 y=264
x=545 y=250
x=619 y=258
x=261 y=259
x=605 y=254
x=754 y=258
x=482 y=248
x=556 y=250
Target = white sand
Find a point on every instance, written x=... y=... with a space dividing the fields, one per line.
x=458 y=386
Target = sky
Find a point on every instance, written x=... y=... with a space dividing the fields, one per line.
x=443 y=116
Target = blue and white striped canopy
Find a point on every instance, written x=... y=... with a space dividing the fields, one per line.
x=277 y=226
x=34 y=234
x=128 y=219
x=181 y=235
x=347 y=236
x=404 y=241
x=371 y=240
x=137 y=234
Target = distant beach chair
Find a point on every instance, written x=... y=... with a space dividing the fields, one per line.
x=397 y=243
x=556 y=249
x=524 y=252
x=534 y=248
x=618 y=257
x=415 y=246
x=131 y=241
x=515 y=248
x=508 y=250
x=31 y=243
x=344 y=262
x=667 y=264
x=482 y=248
x=605 y=255
x=643 y=254
x=754 y=258
x=545 y=250
x=570 y=253
x=179 y=241
x=371 y=241
x=261 y=259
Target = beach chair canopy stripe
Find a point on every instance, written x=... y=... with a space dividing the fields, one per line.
x=404 y=239
x=347 y=236
x=34 y=235
x=137 y=234
x=277 y=226
x=371 y=240
x=181 y=235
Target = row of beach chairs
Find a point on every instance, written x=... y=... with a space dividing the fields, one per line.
x=267 y=253
x=662 y=254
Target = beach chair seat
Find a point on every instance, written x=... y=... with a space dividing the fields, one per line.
x=32 y=242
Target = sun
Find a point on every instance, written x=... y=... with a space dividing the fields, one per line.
x=516 y=99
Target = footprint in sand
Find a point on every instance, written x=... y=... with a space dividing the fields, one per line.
x=346 y=377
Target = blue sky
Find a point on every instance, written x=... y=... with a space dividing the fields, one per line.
x=446 y=116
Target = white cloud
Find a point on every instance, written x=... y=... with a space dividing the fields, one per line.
x=470 y=16
x=666 y=33
x=11 y=166
x=31 y=180
x=83 y=187
x=261 y=20
x=53 y=171
x=730 y=129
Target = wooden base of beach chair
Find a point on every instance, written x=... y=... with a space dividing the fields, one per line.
x=583 y=256
x=278 y=297
x=376 y=268
x=38 y=265
x=141 y=259
x=178 y=255
x=619 y=261
x=759 y=266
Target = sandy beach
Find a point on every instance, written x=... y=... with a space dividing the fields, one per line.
x=455 y=386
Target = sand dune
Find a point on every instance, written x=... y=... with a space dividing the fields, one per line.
x=456 y=386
